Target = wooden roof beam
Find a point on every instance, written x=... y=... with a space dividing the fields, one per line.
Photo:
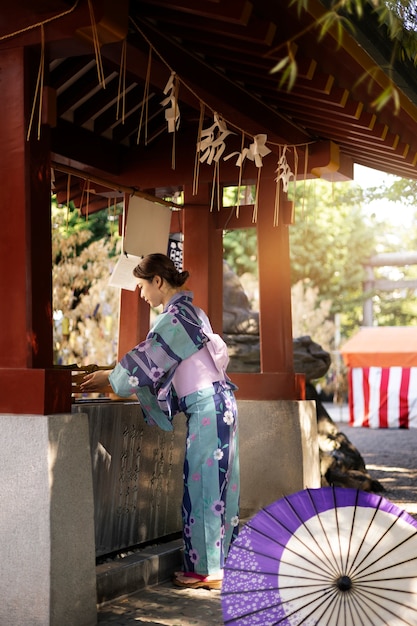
x=231 y=12
x=339 y=121
x=255 y=30
x=234 y=103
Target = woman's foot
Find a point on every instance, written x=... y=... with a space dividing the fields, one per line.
x=191 y=580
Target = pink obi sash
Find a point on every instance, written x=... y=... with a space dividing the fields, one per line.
x=201 y=369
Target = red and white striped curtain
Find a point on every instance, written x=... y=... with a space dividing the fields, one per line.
x=383 y=397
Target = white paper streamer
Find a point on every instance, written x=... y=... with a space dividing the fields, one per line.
x=256 y=151
x=283 y=171
x=212 y=141
x=172 y=112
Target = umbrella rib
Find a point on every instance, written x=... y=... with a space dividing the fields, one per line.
x=370 y=582
x=348 y=602
x=256 y=611
x=315 y=583
x=270 y=606
x=350 y=605
x=357 y=604
x=333 y=608
x=258 y=589
x=361 y=572
x=355 y=609
x=327 y=566
x=347 y=609
x=369 y=600
x=325 y=596
x=324 y=570
x=322 y=527
x=352 y=600
x=351 y=569
x=328 y=598
x=364 y=583
x=267 y=554
x=336 y=607
x=303 y=523
x=315 y=564
x=365 y=591
x=262 y=589
x=352 y=526
x=318 y=565
x=335 y=509
x=354 y=571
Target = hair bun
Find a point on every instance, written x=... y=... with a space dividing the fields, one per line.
x=184 y=274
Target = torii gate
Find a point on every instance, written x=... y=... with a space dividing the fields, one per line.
x=388 y=259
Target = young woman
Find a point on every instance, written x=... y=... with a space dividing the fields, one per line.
x=181 y=367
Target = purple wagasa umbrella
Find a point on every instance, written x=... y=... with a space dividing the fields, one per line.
x=328 y=557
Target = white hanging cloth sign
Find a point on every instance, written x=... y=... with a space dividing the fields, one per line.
x=122 y=275
x=147 y=231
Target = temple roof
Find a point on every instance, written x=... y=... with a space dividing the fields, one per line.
x=107 y=76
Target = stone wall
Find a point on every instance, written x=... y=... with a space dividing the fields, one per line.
x=46 y=522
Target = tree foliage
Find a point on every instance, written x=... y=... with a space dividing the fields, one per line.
x=85 y=307
x=398 y=306
x=329 y=244
x=395 y=19
x=239 y=246
x=338 y=228
x=311 y=316
x=239 y=250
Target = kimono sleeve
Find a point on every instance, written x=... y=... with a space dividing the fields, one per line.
x=152 y=412
x=152 y=363
x=121 y=382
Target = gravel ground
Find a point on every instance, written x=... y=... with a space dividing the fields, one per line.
x=390 y=457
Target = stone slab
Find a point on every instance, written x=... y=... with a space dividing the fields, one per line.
x=46 y=521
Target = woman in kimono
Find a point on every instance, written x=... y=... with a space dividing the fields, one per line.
x=181 y=367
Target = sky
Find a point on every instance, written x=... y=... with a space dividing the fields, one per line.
x=389 y=212
x=367 y=177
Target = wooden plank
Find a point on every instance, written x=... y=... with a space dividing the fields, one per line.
x=267 y=386
x=237 y=12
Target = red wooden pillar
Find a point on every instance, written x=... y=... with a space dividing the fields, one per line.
x=274 y=285
x=134 y=321
x=277 y=380
x=27 y=382
x=203 y=254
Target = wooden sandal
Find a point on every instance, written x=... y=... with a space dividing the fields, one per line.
x=194 y=581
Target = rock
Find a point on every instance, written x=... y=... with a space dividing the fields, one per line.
x=244 y=352
x=240 y=325
x=310 y=358
x=341 y=463
x=238 y=318
x=353 y=479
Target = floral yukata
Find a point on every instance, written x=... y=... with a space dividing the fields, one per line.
x=181 y=367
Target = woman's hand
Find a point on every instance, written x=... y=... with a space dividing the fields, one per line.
x=96 y=382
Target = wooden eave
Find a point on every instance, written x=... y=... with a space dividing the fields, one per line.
x=223 y=52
